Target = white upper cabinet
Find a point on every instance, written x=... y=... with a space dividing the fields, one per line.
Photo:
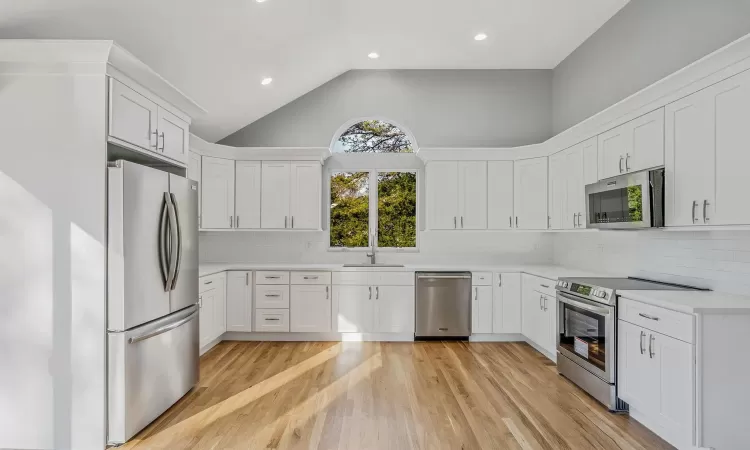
x=132 y=118
x=442 y=195
x=217 y=189
x=173 y=136
x=633 y=146
x=575 y=198
x=500 y=195
x=558 y=191
x=138 y=121
x=472 y=191
x=275 y=195
x=305 y=197
x=707 y=152
x=590 y=150
x=530 y=194
x=247 y=190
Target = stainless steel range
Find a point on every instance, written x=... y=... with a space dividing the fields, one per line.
x=587 y=332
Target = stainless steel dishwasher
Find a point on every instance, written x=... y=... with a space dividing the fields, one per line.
x=443 y=307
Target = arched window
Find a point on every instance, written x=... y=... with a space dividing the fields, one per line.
x=374 y=136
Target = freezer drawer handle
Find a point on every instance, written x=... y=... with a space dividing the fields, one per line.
x=448 y=277
x=163 y=329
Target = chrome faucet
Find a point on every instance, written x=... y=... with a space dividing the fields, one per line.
x=372 y=255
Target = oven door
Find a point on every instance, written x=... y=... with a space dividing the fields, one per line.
x=625 y=202
x=586 y=334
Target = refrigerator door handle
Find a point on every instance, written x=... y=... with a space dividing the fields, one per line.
x=172 y=223
x=163 y=257
x=163 y=329
x=176 y=237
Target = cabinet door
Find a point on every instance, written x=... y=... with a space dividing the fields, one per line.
x=558 y=190
x=206 y=316
x=575 y=199
x=472 y=191
x=532 y=306
x=646 y=142
x=442 y=195
x=674 y=361
x=247 y=191
x=132 y=117
x=506 y=304
x=481 y=309
x=310 y=309
x=305 y=196
x=548 y=325
x=217 y=190
x=590 y=161
x=637 y=381
x=354 y=309
x=530 y=192
x=732 y=118
x=275 y=186
x=612 y=150
x=220 y=311
x=173 y=136
x=394 y=309
x=500 y=195
x=690 y=158
x=239 y=315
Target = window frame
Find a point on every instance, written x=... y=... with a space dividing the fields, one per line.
x=372 y=226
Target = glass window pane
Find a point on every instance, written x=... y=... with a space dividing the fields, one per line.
x=397 y=209
x=350 y=209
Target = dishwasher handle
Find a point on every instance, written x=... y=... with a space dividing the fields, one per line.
x=449 y=277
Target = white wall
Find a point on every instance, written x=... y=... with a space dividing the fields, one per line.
x=443 y=108
x=436 y=247
x=719 y=260
x=52 y=261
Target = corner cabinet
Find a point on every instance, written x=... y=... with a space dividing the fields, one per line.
x=633 y=146
x=567 y=198
x=217 y=192
x=530 y=194
x=457 y=195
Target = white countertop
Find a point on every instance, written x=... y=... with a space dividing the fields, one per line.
x=546 y=271
x=693 y=302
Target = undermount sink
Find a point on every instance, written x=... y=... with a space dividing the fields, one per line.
x=373 y=265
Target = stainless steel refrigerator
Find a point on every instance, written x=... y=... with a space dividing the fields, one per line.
x=152 y=294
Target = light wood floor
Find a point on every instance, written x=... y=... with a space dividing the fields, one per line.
x=427 y=395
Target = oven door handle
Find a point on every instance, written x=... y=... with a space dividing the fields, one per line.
x=572 y=301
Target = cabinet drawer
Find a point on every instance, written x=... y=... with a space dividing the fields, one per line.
x=311 y=278
x=481 y=278
x=271 y=296
x=273 y=320
x=671 y=323
x=539 y=284
x=210 y=282
x=392 y=278
x=267 y=277
x=351 y=278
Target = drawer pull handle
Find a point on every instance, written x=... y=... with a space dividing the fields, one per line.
x=208 y=282
x=646 y=316
x=272 y=319
x=272 y=278
x=273 y=295
x=544 y=286
x=310 y=278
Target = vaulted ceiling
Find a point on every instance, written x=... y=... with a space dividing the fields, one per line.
x=218 y=52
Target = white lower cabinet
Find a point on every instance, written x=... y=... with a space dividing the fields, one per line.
x=394 y=309
x=212 y=305
x=354 y=313
x=239 y=301
x=506 y=303
x=481 y=309
x=272 y=320
x=310 y=309
x=373 y=302
x=539 y=323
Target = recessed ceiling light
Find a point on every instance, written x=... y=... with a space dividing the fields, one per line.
x=480 y=37
x=260 y=1
x=373 y=55
x=266 y=81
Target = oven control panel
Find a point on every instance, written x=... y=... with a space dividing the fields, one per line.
x=583 y=290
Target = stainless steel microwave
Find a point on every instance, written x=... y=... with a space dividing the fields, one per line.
x=631 y=201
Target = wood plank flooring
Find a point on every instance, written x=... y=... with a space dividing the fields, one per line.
x=371 y=395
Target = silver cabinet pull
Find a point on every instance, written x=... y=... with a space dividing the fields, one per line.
x=627 y=166
x=326 y=292
x=516 y=221
x=454 y=223
x=231 y=221
x=643 y=335
x=499 y=281
x=200 y=302
x=549 y=222
x=208 y=282
x=579 y=220
x=160 y=135
x=272 y=319
x=292 y=221
x=705 y=207
x=247 y=278
x=284 y=221
x=544 y=285
x=510 y=221
x=462 y=221
x=541 y=302
x=310 y=278
x=370 y=289
x=237 y=221
x=646 y=316
x=574 y=220
x=545 y=303
x=651 y=339
x=377 y=293
x=695 y=205
x=476 y=292
x=155 y=133
x=273 y=295
x=272 y=277
x=621 y=158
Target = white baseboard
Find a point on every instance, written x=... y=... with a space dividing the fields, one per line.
x=211 y=345
x=552 y=357
x=656 y=428
x=317 y=337
x=506 y=337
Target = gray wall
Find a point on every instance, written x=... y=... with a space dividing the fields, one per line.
x=644 y=42
x=442 y=108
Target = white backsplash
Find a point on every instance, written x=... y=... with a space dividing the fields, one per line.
x=436 y=247
x=718 y=260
